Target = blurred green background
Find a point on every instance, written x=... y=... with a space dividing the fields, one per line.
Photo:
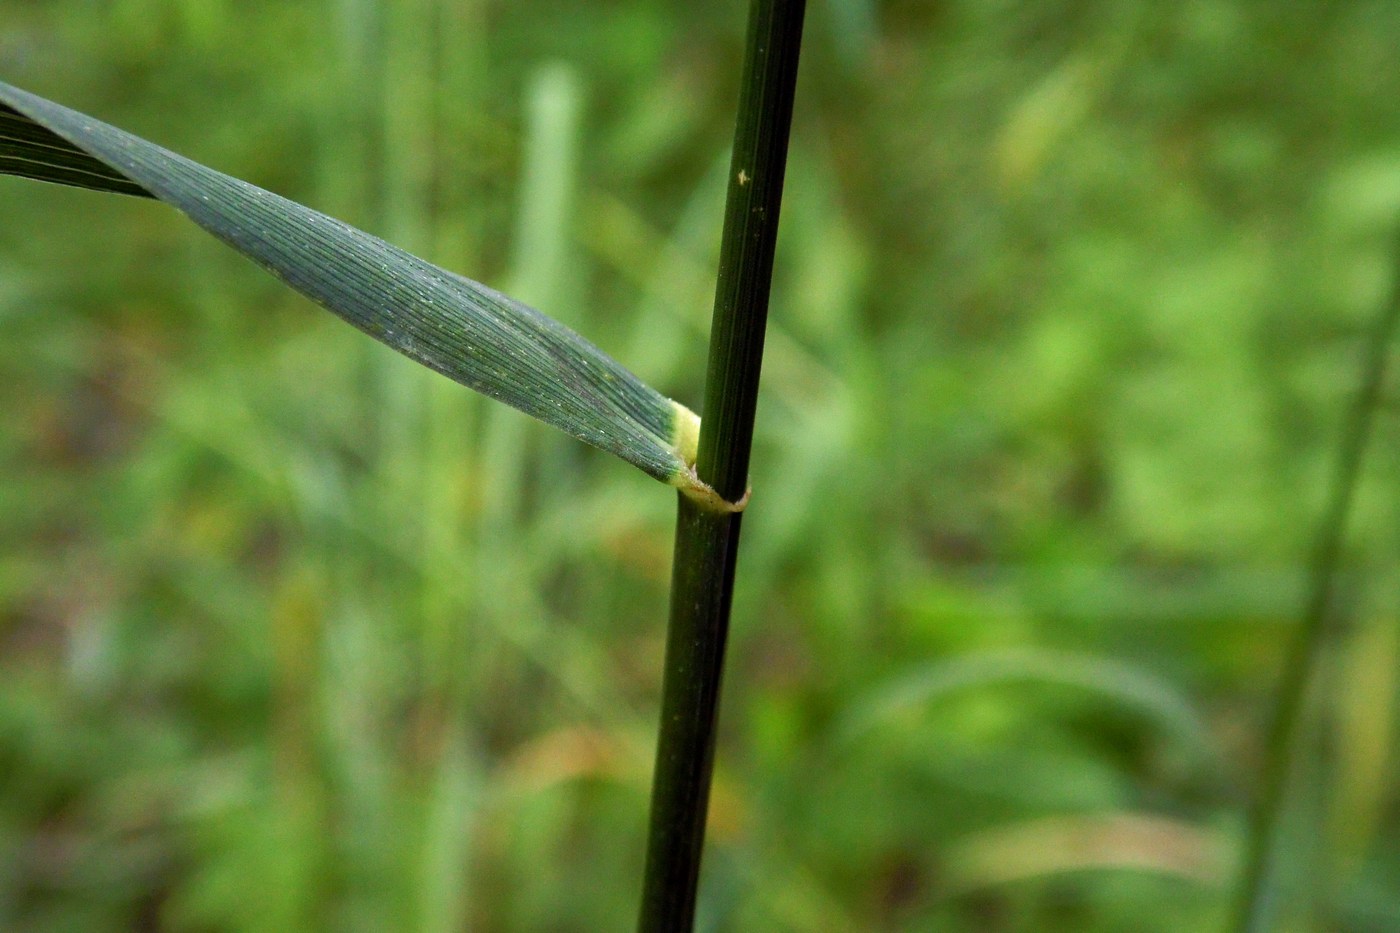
x=1069 y=299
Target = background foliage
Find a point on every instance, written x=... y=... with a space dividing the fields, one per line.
x=294 y=636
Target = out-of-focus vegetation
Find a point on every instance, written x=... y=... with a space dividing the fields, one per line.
x=295 y=636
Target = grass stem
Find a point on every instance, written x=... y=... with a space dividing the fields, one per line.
x=707 y=541
x=1258 y=901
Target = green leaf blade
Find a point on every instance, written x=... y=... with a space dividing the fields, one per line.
x=31 y=151
x=460 y=328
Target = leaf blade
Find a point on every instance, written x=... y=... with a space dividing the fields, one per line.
x=455 y=326
x=31 y=151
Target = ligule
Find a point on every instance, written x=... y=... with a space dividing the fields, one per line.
x=705 y=496
x=685 y=440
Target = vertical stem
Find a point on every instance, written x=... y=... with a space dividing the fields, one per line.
x=1257 y=907
x=707 y=542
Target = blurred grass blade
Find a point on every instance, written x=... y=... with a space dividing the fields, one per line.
x=1122 y=684
x=460 y=328
x=1261 y=891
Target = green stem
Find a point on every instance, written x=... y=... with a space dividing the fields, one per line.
x=707 y=540
x=1257 y=907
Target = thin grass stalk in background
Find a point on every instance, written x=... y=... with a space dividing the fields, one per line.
x=1258 y=895
x=707 y=539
